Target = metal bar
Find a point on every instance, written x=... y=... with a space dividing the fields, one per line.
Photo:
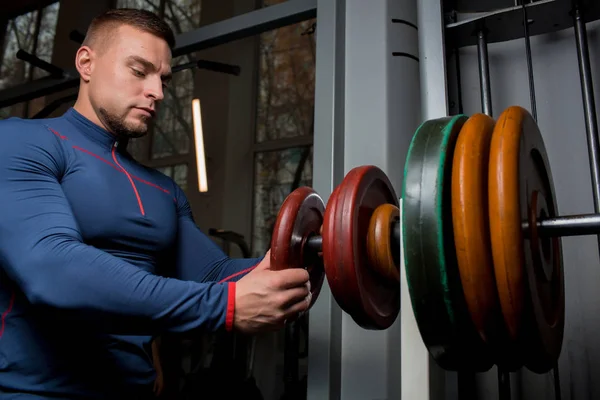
x=459 y=98
x=421 y=378
x=557 y=389
x=589 y=106
x=324 y=378
x=504 y=390
x=506 y=24
x=38 y=88
x=571 y=225
x=315 y=244
x=208 y=65
x=13 y=9
x=284 y=143
x=219 y=67
x=76 y=36
x=182 y=67
x=432 y=56
x=246 y=25
x=53 y=106
x=396 y=234
x=484 y=73
x=239 y=27
x=529 y=61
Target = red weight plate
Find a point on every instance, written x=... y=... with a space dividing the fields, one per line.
x=300 y=217
x=371 y=300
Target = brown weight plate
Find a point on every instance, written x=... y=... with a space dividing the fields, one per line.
x=300 y=217
x=529 y=272
x=334 y=279
x=372 y=301
x=380 y=250
x=470 y=221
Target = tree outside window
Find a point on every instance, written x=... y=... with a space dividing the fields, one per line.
x=284 y=122
x=34 y=33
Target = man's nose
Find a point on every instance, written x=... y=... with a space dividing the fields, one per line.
x=154 y=89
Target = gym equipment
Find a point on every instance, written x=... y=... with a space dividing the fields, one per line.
x=529 y=270
x=470 y=222
x=380 y=250
x=429 y=251
x=358 y=284
x=300 y=217
x=228 y=237
x=480 y=231
x=355 y=281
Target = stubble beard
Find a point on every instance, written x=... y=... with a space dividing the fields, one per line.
x=117 y=124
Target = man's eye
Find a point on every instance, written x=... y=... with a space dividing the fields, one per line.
x=138 y=73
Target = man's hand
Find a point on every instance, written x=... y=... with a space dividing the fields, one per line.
x=265 y=299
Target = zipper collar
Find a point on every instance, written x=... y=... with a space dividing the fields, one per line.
x=90 y=129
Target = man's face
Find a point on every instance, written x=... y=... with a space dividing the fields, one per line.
x=127 y=80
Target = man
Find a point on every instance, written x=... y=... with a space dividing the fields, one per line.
x=86 y=233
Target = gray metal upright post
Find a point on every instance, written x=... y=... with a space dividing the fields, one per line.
x=589 y=104
x=484 y=73
x=325 y=318
x=367 y=108
x=422 y=379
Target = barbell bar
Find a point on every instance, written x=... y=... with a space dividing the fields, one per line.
x=563 y=226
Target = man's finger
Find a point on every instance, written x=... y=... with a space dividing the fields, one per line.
x=293 y=311
x=265 y=263
x=295 y=295
x=292 y=278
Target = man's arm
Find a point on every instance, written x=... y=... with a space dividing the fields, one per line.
x=42 y=251
x=199 y=259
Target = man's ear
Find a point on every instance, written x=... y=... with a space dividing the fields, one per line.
x=83 y=62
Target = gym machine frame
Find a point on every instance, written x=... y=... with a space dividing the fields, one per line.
x=436 y=34
x=503 y=25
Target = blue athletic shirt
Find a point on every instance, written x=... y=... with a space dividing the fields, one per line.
x=98 y=255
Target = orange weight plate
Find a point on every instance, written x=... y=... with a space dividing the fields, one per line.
x=472 y=236
x=371 y=300
x=528 y=270
x=300 y=217
x=382 y=253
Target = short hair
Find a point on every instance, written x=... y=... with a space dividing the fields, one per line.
x=144 y=20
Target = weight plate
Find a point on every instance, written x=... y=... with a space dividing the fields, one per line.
x=529 y=271
x=300 y=217
x=470 y=220
x=371 y=300
x=381 y=252
x=429 y=254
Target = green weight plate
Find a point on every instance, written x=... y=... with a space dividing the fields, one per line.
x=429 y=254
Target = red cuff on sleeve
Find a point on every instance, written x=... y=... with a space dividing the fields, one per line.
x=230 y=306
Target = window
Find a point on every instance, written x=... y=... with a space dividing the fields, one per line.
x=171 y=138
x=178 y=172
x=277 y=173
x=287 y=83
x=284 y=122
x=34 y=33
